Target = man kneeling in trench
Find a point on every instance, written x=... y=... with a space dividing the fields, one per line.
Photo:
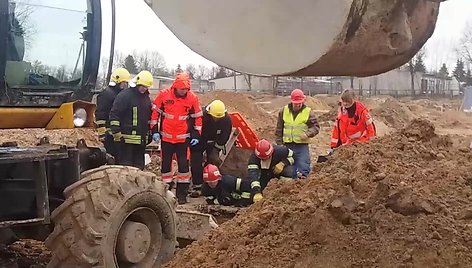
x=229 y=190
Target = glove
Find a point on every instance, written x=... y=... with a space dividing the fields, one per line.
x=117 y=137
x=257 y=197
x=330 y=151
x=194 y=142
x=156 y=137
x=279 y=168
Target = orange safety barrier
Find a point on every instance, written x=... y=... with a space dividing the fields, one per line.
x=247 y=138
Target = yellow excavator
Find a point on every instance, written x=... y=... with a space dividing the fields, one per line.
x=114 y=216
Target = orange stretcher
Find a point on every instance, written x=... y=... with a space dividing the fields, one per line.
x=247 y=138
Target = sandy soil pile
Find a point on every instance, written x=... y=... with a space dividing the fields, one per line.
x=392 y=112
x=405 y=201
x=24 y=254
x=31 y=137
x=262 y=122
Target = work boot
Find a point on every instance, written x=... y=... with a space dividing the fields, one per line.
x=171 y=185
x=181 y=193
x=196 y=191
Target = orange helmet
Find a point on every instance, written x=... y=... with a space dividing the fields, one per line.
x=211 y=173
x=264 y=149
x=297 y=96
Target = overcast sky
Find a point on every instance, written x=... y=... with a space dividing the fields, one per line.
x=140 y=29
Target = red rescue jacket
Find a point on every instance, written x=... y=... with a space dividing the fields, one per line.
x=359 y=128
x=171 y=115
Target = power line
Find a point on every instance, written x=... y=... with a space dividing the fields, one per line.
x=51 y=7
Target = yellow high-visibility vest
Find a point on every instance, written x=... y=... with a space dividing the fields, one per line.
x=294 y=128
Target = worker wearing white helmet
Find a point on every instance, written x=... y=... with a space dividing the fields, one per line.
x=118 y=81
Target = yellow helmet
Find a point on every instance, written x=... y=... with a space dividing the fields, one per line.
x=144 y=78
x=216 y=109
x=119 y=75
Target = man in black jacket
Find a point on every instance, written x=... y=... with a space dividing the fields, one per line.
x=118 y=82
x=270 y=161
x=228 y=190
x=216 y=131
x=129 y=120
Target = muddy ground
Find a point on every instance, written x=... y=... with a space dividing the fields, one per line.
x=408 y=187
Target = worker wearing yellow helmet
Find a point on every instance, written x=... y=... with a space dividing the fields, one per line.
x=216 y=131
x=118 y=81
x=129 y=120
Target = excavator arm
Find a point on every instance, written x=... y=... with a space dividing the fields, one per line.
x=303 y=37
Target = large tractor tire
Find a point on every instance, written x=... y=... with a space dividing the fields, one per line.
x=114 y=217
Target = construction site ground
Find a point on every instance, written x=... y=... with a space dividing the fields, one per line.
x=403 y=200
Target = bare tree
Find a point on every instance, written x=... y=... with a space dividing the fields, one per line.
x=191 y=70
x=465 y=48
x=22 y=22
x=152 y=61
x=203 y=72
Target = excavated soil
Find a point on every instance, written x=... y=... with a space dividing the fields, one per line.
x=31 y=137
x=259 y=119
x=24 y=254
x=403 y=200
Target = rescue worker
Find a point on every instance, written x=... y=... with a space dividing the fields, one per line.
x=177 y=120
x=229 y=190
x=270 y=161
x=353 y=123
x=216 y=130
x=296 y=124
x=129 y=120
x=118 y=82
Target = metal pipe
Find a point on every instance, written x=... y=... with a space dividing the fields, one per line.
x=112 y=48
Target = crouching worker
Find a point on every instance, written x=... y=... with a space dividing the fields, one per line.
x=270 y=161
x=229 y=190
x=353 y=123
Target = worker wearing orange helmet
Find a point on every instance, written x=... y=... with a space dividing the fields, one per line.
x=296 y=124
x=177 y=123
x=270 y=161
x=353 y=123
x=229 y=190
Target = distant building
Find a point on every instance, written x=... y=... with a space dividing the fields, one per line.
x=278 y=85
x=398 y=83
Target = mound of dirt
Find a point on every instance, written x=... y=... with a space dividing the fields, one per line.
x=24 y=254
x=394 y=113
x=259 y=119
x=31 y=137
x=399 y=201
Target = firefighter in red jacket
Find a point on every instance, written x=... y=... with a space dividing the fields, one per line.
x=353 y=123
x=228 y=190
x=177 y=122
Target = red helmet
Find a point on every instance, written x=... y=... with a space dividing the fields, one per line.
x=211 y=173
x=297 y=96
x=264 y=149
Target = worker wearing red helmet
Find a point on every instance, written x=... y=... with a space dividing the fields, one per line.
x=296 y=124
x=229 y=190
x=353 y=123
x=177 y=122
x=270 y=161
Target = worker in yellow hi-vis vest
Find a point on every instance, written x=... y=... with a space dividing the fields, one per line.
x=295 y=126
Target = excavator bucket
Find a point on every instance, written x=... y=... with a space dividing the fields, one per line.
x=192 y=225
x=247 y=138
